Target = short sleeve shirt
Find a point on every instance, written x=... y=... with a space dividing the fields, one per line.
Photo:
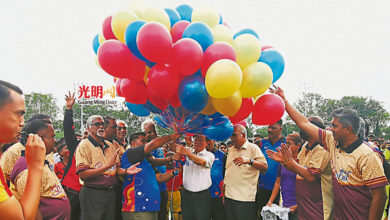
x=197 y=178
x=310 y=194
x=355 y=170
x=90 y=155
x=287 y=186
x=241 y=181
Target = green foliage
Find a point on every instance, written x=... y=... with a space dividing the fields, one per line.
x=373 y=111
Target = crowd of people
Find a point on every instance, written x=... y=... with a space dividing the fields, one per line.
x=319 y=173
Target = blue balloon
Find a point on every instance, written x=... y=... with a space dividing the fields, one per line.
x=95 y=43
x=152 y=108
x=193 y=94
x=185 y=12
x=246 y=31
x=220 y=19
x=138 y=109
x=220 y=131
x=161 y=122
x=200 y=32
x=274 y=60
x=216 y=115
x=131 y=38
x=173 y=16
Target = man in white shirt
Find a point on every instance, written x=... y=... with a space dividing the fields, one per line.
x=196 y=197
x=243 y=164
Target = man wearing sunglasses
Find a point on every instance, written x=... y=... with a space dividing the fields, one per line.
x=121 y=134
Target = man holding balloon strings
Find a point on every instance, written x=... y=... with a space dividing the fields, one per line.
x=357 y=171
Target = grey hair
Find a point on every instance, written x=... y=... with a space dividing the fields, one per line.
x=242 y=129
x=362 y=129
x=121 y=121
x=91 y=119
x=146 y=122
x=348 y=117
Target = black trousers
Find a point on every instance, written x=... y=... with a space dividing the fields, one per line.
x=97 y=204
x=162 y=214
x=118 y=200
x=262 y=198
x=218 y=209
x=74 y=201
x=196 y=205
x=237 y=210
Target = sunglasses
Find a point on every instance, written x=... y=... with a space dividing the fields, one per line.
x=98 y=124
x=121 y=128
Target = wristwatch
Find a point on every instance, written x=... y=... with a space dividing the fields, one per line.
x=251 y=161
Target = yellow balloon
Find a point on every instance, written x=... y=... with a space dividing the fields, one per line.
x=247 y=49
x=101 y=38
x=157 y=15
x=138 y=7
x=208 y=15
x=147 y=69
x=228 y=106
x=119 y=23
x=97 y=62
x=223 y=78
x=209 y=109
x=222 y=34
x=257 y=78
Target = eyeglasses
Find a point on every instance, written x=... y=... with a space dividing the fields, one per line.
x=122 y=128
x=98 y=124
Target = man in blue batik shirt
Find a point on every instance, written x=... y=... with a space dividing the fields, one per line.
x=267 y=180
x=217 y=175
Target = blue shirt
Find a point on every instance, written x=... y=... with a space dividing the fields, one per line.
x=217 y=174
x=267 y=180
x=158 y=153
x=140 y=191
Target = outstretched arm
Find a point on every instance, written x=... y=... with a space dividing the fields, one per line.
x=158 y=142
x=297 y=117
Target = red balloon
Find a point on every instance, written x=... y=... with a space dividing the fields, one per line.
x=178 y=29
x=118 y=83
x=116 y=59
x=158 y=102
x=243 y=123
x=107 y=30
x=244 y=111
x=134 y=92
x=268 y=110
x=162 y=82
x=174 y=100
x=154 y=42
x=186 y=57
x=217 y=51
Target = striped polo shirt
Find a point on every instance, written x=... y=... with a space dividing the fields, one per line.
x=356 y=170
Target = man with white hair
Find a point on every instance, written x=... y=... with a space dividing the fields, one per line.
x=157 y=159
x=96 y=164
x=243 y=164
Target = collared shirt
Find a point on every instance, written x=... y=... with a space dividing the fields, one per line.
x=217 y=173
x=140 y=191
x=315 y=199
x=53 y=201
x=241 y=181
x=267 y=180
x=90 y=155
x=5 y=193
x=356 y=170
x=9 y=159
x=197 y=178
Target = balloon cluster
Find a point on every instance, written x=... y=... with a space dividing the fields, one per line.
x=187 y=67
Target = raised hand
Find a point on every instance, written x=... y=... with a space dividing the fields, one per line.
x=70 y=100
x=240 y=160
x=276 y=156
x=175 y=136
x=182 y=150
x=286 y=152
x=35 y=151
x=113 y=159
x=278 y=91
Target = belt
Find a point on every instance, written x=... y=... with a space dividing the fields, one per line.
x=70 y=189
x=190 y=192
x=101 y=188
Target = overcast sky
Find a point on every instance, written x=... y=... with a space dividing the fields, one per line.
x=334 y=47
